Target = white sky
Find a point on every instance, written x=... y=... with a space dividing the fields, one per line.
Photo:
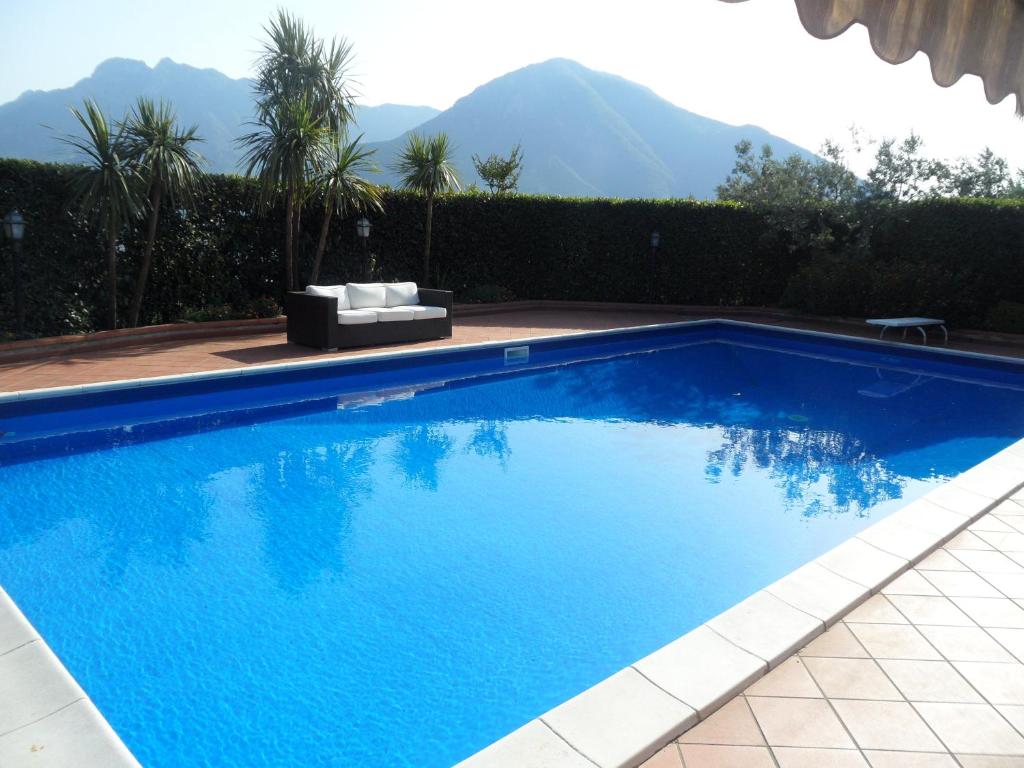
x=742 y=63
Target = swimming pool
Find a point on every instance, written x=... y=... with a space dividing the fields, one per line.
x=400 y=565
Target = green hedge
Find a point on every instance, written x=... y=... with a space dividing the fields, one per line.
x=955 y=258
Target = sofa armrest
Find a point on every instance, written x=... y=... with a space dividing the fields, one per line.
x=311 y=318
x=433 y=297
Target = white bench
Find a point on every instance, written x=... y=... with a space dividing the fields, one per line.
x=910 y=322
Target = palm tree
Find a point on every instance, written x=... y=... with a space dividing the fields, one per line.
x=290 y=145
x=302 y=97
x=107 y=189
x=343 y=188
x=160 y=151
x=426 y=165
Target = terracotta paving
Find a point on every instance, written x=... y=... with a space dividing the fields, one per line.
x=170 y=357
x=929 y=673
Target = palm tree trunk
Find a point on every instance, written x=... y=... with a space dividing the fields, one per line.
x=289 y=232
x=297 y=243
x=112 y=279
x=147 y=255
x=322 y=245
x=426 y=244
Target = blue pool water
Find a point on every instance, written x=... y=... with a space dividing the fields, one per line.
x=402 y=577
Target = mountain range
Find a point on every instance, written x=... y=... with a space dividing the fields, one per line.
x=582 y=132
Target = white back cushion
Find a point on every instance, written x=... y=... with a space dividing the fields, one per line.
x=331 y=290
x=402 y=294
x=362 y=295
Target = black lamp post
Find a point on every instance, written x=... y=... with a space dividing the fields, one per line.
x=14 y=229
x=655 y=242
x=363 y=230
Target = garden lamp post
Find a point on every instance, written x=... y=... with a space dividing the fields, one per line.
x=363 y=230
x=14 y=229
x=655 y=242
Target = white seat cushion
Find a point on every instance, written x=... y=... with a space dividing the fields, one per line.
x=401 y=294
x=330 y=290
x=428 y=313
x=392 y=314
x=356 y=317
x=366 y=295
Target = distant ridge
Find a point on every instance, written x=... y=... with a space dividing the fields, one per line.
x=220 y=105
x=583 y=132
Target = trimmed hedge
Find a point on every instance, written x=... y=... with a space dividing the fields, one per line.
x=959 y=259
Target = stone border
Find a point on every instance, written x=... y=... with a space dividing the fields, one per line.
x=629 y=716
x=620 y=721
x=45 y=716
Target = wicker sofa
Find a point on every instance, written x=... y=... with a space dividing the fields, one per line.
x=334 y=317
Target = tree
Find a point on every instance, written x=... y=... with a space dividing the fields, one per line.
x=343 y=188
x=107 y=189
x=794 y=181
x=500 y=174
x=426 y=166
x=302 y=100
x=168 y=166
x=989 y=177
x=902 y=173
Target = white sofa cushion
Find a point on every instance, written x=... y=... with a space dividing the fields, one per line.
x=428 y=313
x=392 y=314
x=330 y=290
x=366 y=295
x=401 y=294
x=356 y=317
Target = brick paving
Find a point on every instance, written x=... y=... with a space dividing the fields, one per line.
x=927 y=674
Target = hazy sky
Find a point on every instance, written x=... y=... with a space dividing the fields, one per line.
x=744 y=63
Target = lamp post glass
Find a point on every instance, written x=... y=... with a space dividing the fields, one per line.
x=363 y=228
x=655 y=239
x=14 y=225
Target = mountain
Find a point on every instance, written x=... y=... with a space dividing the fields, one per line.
x=589 y=133
x=31 y=124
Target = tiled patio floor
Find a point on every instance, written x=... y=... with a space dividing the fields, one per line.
x=171 y=357
x=927 y=674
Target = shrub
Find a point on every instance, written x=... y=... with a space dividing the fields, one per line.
x=486 y=294
x=1006 y=316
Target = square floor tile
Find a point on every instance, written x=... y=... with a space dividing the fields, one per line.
x=992 y=611
x=929 y=681
x=990 y=523
x=990 y=761
x=886 y=725
x=838 y=642
x=789 y=679
x=999 y=683
x=961 y=584
x=972 y=728
x=1010 y=541
x=1014 y=713
x=799 y=723
x=881 y=759
x=668 y=757
x=966 y=643
x=876 y=610
x=1011 y=639
x=931 y=610
x=795 y=757
x=987 y=562
x=852 y=679
x=1008 y=584
x=707 y=756
x=893 y=641
x=733 y=724
x=941 y=560
x=910 y=583
x=967 y=540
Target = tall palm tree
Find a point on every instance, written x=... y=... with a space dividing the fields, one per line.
x=426 y=165
x=302 y=97
x=289 y=145
x=107 y=189
x=161 y=152
x=343 y=188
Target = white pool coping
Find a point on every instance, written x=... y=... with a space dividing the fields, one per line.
x=47 y=719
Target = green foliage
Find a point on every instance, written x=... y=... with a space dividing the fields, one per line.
x=486 y=294
x=957 y=259
x=500 y=174
x=1007 y=316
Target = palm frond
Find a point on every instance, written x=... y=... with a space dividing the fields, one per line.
x=427 y=164
x=162 y=150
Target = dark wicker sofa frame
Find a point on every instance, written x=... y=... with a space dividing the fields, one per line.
x=313 y=322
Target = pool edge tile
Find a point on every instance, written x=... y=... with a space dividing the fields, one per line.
x=74 y=735
x=533 y=745
x=767 y=627
x=817 y=591
x=621 y=721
